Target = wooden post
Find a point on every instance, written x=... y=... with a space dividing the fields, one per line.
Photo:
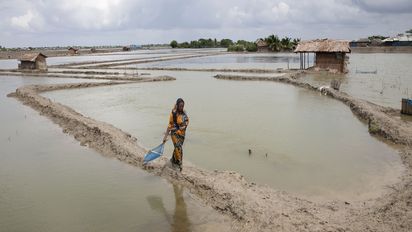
x=304 y=60
x=406 y=106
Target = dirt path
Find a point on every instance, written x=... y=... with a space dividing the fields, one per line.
x=253 y=207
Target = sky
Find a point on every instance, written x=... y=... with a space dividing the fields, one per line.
x=35 y=23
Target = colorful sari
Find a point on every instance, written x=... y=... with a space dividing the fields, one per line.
x=178 y=123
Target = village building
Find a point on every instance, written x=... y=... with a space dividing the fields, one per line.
x=33 y=61
x=399 y=40
x=329 y=54
x=262 y=46
x=363 y=42
x=73 y=51
x=126 y=48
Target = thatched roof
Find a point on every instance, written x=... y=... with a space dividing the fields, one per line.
x=323 y=45
x=31 y=56
x=261 y=43
x=72 y=48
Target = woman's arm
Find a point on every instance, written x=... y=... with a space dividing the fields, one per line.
x=169 y=127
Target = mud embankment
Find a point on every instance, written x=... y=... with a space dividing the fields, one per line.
x=135 y=61
x=112 y=61
x=78 y=75
x=253 y=207
x=253 y=70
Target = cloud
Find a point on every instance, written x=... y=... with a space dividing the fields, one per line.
x=385 y=6
x=116 y=21
x=29 y=21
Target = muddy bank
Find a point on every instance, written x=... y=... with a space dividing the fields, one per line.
x=112 y=61
x=254 y=70
x=136 y=61
x=78 y=75
x=254 y=207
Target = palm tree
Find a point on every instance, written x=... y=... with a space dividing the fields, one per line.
x=295 y=43
x=273 y=42
x=286 y=43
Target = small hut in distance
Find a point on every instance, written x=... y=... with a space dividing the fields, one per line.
x=262 y=46
x=329 y=54
x=33 y=61
x=73 y=51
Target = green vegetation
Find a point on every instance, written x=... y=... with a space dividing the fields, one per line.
x=241 y=46
x=274 y=43
x=409 y=31
x=173 y=44
x=285 y=44
x=202 y=43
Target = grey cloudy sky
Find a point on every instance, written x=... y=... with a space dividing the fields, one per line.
x=104 y=22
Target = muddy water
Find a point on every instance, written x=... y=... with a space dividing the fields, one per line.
x=245 y=61
x=48 y=182
x=380 y=78
x=314 y=145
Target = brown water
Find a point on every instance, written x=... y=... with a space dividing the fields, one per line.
x=48 y=182
x=391 y=82
x=315 y=146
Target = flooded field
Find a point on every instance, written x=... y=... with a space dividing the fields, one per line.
x=244 y=61
x=381 y=78
x=48 y=182
x=314 y=145
x=301 y=142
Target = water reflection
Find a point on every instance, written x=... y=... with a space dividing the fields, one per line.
x=179 y=221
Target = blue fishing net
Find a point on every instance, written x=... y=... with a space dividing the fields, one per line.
x=154 y=153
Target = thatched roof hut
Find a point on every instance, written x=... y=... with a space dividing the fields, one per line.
x=329 y=54
x=73 y=51
x=323 y=45
x=33 y=61
x=262 y=46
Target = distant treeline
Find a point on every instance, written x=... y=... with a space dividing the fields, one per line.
x=272 y=43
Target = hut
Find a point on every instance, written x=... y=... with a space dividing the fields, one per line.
x=33 y=61
x=73 y=51
x=126 y=48
x=262 y=46
x=329 y=54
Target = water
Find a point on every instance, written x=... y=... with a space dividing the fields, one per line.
x=138 y=54
x=48 y=182
x=391 y=83
x=245 y=61
x=314 y=145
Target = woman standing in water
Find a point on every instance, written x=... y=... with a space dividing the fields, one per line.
x=178 y=122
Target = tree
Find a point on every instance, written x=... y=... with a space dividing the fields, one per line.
x=409 y=31
x=286 y=44
x=274 y=42
x=174 y=44
x=225 y=43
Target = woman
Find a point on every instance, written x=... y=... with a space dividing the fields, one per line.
x=178 y=122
